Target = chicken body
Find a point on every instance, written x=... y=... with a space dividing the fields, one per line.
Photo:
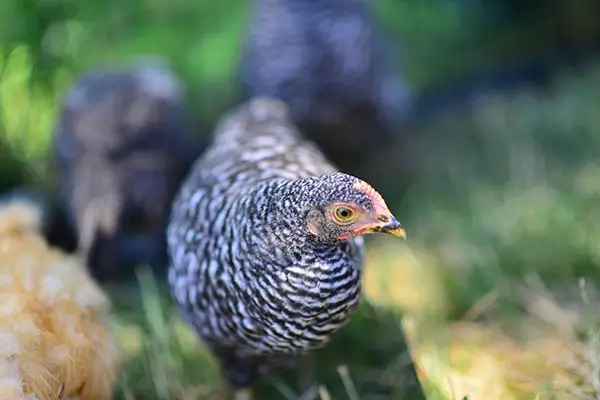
x=258 y=278
x=121 y=151
x=325 y=60
x=55 y=340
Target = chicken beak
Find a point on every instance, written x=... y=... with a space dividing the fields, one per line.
x=394 y=227
x=386 y=223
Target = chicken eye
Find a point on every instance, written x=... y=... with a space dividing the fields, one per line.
x=345 y=214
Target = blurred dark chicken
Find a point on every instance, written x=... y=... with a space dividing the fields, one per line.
x=325 y=59
x=265 y=243
x=121 y=151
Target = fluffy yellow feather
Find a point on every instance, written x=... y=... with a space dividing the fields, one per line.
x=54 y=340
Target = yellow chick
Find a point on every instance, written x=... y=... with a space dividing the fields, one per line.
x=54 y=339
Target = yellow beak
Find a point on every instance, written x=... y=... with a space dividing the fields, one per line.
x=394 y=228
x=386 y=224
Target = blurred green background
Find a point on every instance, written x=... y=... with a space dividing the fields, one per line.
x=498 y=177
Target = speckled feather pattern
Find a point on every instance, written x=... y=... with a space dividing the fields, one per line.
x=330 y=58
x=244 y=269
x=326 y=60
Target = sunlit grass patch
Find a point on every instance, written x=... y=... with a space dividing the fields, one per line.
x=27 y=108
x=525 y=359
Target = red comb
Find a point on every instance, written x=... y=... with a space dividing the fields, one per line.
x=375 y=197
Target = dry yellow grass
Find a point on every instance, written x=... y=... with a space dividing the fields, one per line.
x=537 y=354
x=54 y=341
x=483 y=361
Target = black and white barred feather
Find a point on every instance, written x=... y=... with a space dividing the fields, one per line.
x=244 y=268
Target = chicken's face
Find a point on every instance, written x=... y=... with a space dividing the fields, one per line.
x=354 y=208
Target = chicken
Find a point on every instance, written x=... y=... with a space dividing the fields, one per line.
x=265 y=243
x=54 y=338
x=121 y=150
x=327 y=62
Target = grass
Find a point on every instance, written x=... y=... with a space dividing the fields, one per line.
x=503 y=190
x=161 y=356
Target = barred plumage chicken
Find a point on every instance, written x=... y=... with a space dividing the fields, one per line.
x=264 y=242
x=337 y=73
x=121 y=151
